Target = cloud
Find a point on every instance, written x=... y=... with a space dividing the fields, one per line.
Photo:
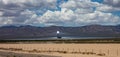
x=24 y=16
x=115 y=3
x=21 y=19
x=109 y=6
x=79 y=13
x=79 y=4
x=67 y=17
x=21 y=11
x=45 y=13
x=15 y=7
x=5 y=21
x=61 y=18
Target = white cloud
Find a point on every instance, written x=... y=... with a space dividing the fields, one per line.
x=23 y=11
x=73 y=13
x=98 y=17
x=79 y=13
x=24 y=18
x=61 y=18
x=73 y=4
x=109 y=6
x=67 y=17
x=115 y=3
x=13 y=7
x=5 y=21
x=106 y=8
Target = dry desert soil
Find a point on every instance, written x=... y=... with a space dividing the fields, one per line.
x=59 y=50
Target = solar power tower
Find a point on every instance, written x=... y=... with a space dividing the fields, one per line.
x=58 y=35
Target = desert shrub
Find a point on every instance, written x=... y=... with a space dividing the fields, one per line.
x=101 y=54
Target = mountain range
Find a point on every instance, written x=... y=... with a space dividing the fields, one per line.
x=82 y=31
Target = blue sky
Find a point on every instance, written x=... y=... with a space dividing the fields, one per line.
x=100 y=1
x=59 y=12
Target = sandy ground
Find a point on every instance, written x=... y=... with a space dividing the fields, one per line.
x=61 y=50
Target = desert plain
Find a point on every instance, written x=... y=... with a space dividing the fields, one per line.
x=59 y=50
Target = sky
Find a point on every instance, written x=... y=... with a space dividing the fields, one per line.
x=59 y=12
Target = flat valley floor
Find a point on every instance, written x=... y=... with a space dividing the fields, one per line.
x=59 y=50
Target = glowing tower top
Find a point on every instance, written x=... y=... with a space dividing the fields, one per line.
x=58 y=34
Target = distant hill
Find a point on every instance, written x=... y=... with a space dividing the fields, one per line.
x=84 y=31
